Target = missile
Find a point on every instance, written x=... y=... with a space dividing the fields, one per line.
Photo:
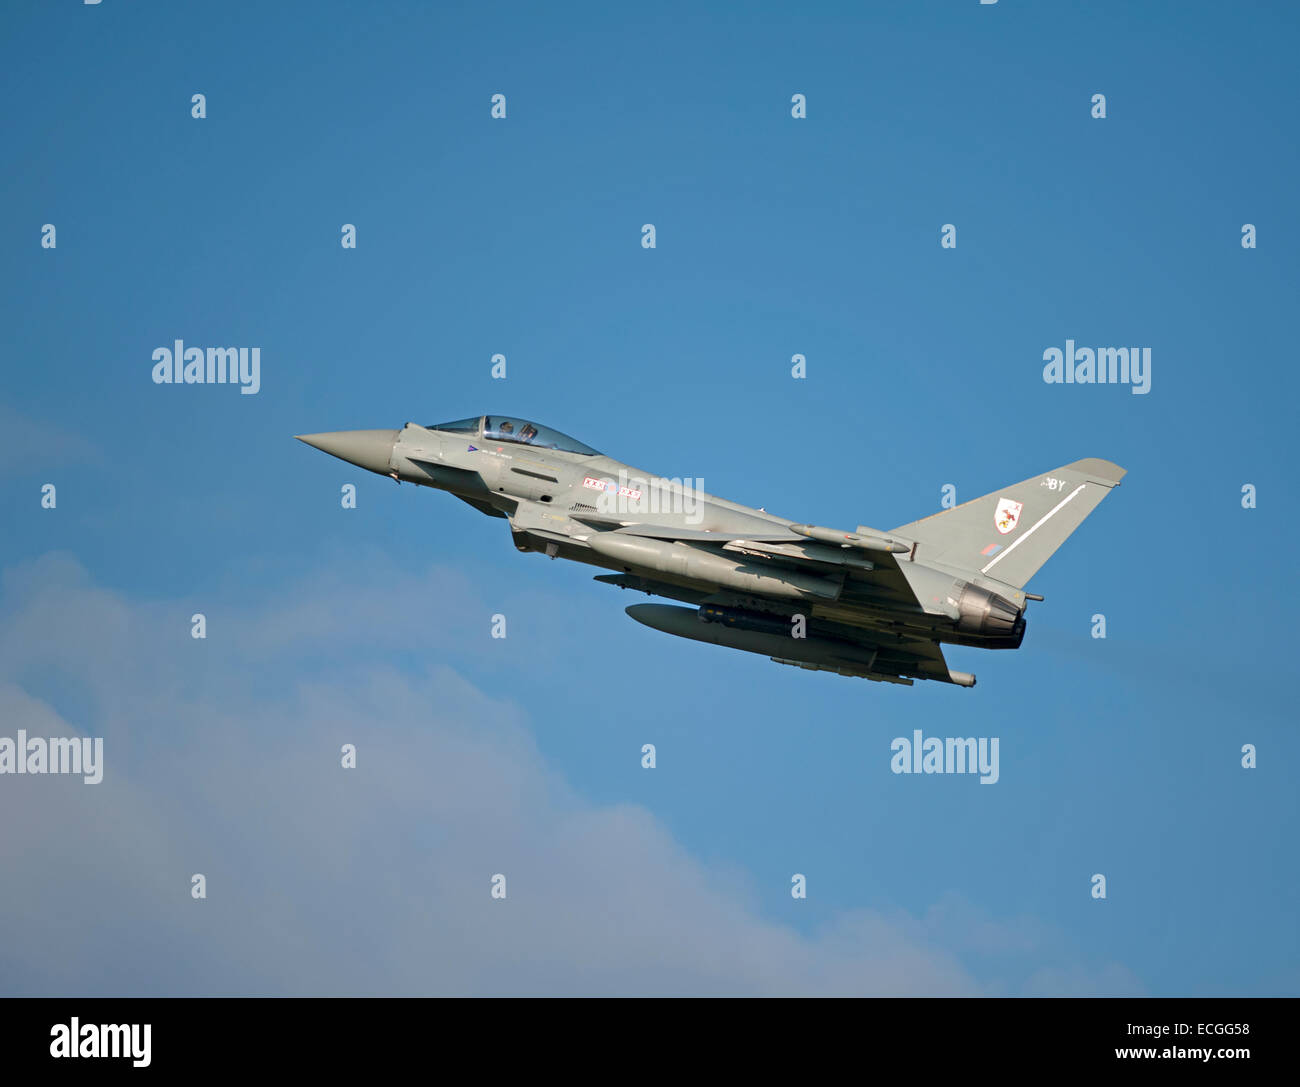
x=851 y=539
x=693 y=563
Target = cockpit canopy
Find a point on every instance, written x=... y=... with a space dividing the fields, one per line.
x=502 y=428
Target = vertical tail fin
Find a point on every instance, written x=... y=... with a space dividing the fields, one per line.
x=1009 y=534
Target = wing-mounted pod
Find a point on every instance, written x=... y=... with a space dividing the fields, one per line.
x=866 y=540
x=696 y=564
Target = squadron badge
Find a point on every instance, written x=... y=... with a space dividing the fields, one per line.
x=1007 y=515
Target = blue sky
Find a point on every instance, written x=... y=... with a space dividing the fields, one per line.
x=775 y=236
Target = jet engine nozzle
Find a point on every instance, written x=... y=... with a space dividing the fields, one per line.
x=986 y=614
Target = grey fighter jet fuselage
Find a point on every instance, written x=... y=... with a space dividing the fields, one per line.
x=864 y=603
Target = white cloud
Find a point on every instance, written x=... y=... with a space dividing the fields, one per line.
x=28 y=446
x=223 y=759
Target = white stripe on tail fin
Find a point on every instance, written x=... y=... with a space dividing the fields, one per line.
x=1008 y=534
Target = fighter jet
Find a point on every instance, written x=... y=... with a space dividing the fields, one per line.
x=877 y=605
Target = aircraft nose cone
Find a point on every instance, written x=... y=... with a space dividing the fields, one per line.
x=369 y=449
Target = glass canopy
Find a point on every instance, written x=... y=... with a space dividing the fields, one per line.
x=504 y=428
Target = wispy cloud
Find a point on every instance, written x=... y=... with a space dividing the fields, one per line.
x=27 y=445
x=223 y=758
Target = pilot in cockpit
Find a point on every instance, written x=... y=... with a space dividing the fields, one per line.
x=506 y=428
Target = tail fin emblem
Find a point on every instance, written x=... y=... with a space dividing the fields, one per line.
x=1007 y=515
